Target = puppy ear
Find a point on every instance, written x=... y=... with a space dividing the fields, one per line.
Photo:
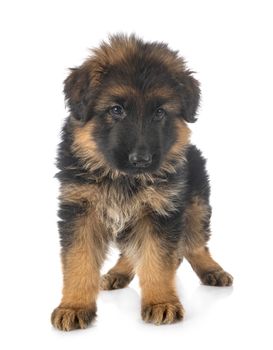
x=190 y=93
x=77 y=92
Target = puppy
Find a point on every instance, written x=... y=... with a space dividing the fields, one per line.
x=129 y=175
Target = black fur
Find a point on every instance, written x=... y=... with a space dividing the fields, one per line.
x=198 y=180
x=67 y=214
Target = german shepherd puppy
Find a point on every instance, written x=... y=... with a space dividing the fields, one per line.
x=129 y=175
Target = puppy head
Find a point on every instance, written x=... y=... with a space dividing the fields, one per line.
x=137 y=96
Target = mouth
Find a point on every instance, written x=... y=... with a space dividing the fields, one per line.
x=140 y=169
x=142 y=166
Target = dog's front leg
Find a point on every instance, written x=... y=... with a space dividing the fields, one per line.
x=156 y=266
x=83 y=250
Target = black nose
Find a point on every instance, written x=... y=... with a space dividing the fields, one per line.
x=140 y=160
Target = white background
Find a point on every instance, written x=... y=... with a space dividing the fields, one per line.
x=229 y=45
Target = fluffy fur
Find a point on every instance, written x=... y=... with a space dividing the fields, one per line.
x=129 y=175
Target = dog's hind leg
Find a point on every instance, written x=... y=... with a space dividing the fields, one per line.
x=196 y=235
x=208 y=270
x=119 y=276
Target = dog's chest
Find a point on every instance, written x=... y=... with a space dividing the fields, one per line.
x=119 y=209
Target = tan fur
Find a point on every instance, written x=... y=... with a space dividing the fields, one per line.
x=174 y=63
x=161 y=200
x=81 y=274
x=107 y=55
x=208 y=270
x=117 y=51
x=75 y=193
x=68 y=318
x=85 y=147
x=183 y=138
x=119 y=276
x=156 y=273
x=123 y=266
x=82 y=261
x=177 y=150
x=201 y=261
x=196 y=213
x=161 y=92
x=108 y=98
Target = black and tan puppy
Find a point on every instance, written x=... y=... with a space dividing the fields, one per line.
x=130 y=176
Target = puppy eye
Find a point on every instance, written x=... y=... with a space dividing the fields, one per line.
x=117 y=112
x=160 y=113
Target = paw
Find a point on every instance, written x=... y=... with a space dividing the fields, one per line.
x=217 y=278
x=163 y=313
x=69 y=318
x=114 y=280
